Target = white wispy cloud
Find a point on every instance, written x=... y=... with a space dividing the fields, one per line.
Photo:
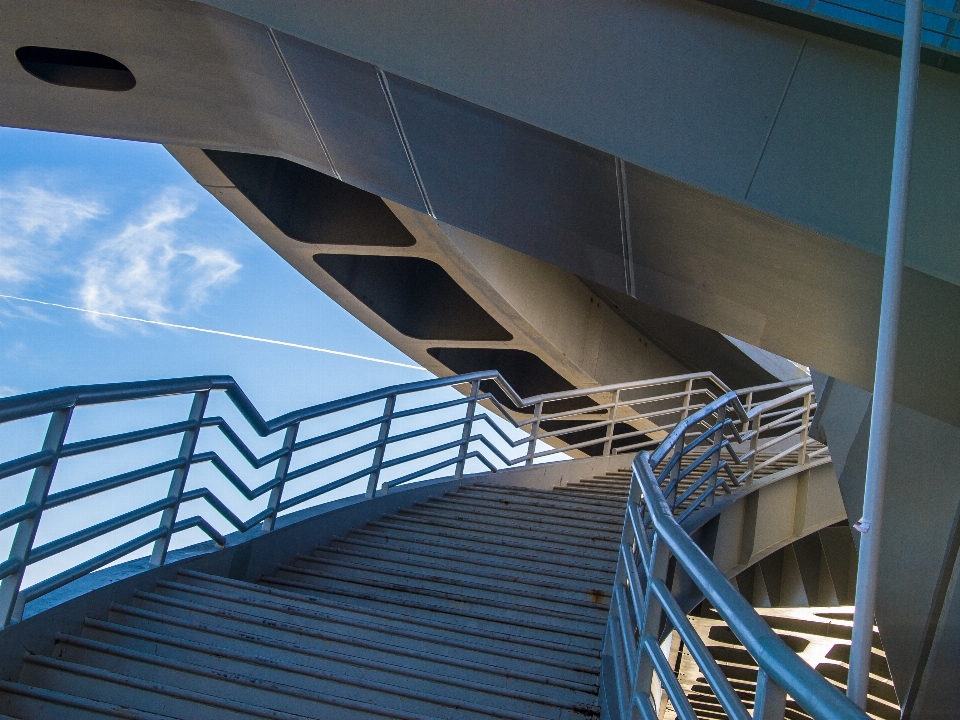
x=33 y=222
x=148 y=269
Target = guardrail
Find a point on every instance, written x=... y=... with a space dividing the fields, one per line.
x=655 y=550
x=941 y=29
x=603 y=420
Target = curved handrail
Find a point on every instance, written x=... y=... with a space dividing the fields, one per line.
x=609 y=419
x=642 y=601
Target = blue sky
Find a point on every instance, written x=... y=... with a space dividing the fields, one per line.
x=119 y=227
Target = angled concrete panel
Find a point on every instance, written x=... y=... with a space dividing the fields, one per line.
x=346 y=101
x=676 y=85
x=827 y=164
x=512 y=183
x=918 y=557
x=204 y=77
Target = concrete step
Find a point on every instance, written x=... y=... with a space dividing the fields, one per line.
x=507 y=549
x=541 y=500
x=453 y=644
x=533 y=578
x=230 y=626
x=530 y=633
x=32 y=703
x=450 y=532
x=581 y=600
x=586 y=501
x=550 y=506
x=528 y=521
x=291 y=687
x=575 y=541
x=515 y=562
x=144 y=695
x=526 y=513
x=370 y=589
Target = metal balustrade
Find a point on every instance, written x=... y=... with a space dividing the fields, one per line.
x=600 y=421
x=712 y=450
x=940 y=17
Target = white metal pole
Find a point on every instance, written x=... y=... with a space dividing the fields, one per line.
x=880 y=414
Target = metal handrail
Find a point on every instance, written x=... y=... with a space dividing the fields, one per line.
x=655 y=549
x=612 y=419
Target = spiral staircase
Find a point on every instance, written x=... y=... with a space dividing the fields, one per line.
x=516 y=592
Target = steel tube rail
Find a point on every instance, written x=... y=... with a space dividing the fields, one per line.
x=882 y=409
x=603 y=420
x=813 y=692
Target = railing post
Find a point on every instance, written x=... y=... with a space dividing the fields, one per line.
x=688 y=391
x=674 y=479
x=187 y=445
x=40 y=484
x=747 y=406
x=534 y=432
x=754 y=444
x=770 y=701
x=283 y=464
x=467 y=428
x=388 y=407
x=611 y=420
x=717 y=450
x=805 y=433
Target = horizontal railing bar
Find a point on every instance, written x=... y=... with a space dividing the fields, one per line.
x=708 y=475
x=499 y=431
x=815 y=695
x=198 y=522
x=12 y=517
x=217 y=504
x=778 y=456
x=630 y=386
x=375 y=422
x=671 y=440
x=112 y=441
x=94 y=531
x=597 y=410
x=677 y=458
x=774 y=386
x=25 y=463
x=347 y=454
x=787 y=418
x=439 y=466
x=496 y=451
x=768 y=405
x=84 y=568
x=230 y=434
x=316 y=492
x=9 y=567
x=692 y=508
x=780 y=438
x=220 y=464
x=83 y=491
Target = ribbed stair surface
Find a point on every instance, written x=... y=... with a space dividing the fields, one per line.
x=489 y=602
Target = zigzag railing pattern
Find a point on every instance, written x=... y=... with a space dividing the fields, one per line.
x=708 y=451
x=596 y=421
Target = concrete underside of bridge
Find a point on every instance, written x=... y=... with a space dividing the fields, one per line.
x=597 y=191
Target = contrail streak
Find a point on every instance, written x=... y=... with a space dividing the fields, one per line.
x=215 y=332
